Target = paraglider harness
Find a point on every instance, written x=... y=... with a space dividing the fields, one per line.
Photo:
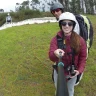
x=86 y=29
x=62 y=45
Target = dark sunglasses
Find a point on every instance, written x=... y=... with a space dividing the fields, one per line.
x=56 y=10
x=67 y=23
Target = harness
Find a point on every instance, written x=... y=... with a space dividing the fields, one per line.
x=61 y=45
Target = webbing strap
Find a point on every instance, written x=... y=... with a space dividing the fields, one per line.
x=62 y=45
x=61 y=42
x=73 y=56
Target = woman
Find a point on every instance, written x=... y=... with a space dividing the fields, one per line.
x=72 y=41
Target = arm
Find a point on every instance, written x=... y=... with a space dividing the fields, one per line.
x=54 y=52
x=82 y=56
x=81 y=59
x=53 y=47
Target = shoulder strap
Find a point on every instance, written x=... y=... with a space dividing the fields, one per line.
x=73 y=56
x=61 y=45
x=61 y=42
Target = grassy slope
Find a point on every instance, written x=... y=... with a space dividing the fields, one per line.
x=87 y=85
x=25 y=69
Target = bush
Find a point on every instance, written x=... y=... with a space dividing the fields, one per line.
x=24 y=14
x=2 y=19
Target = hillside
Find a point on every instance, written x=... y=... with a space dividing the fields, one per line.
x=25 y=69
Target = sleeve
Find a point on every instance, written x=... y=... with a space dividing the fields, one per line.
x=53 y=47
x=82 y=56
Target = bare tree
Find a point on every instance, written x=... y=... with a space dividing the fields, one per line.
x=75 y=6
x=79 y=6
x=82 y=4
x=91 y=2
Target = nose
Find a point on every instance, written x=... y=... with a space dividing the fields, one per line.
x=55 y=12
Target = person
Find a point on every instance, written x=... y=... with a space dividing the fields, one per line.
x=57 y=9
x=72 y=40
x=8 y=19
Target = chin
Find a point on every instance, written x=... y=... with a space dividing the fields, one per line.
x=67 y=32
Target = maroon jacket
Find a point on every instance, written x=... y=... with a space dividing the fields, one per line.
x=80 y=59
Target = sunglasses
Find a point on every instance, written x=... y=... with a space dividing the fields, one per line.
x=67 y=23
x=56 y=10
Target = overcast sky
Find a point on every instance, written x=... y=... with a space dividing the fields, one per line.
x=8 y=5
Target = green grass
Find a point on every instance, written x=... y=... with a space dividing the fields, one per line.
x=25 y=69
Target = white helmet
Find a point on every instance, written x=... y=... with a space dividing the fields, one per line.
x=67 y=16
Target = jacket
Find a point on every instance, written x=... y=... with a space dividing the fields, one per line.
x=79 y=60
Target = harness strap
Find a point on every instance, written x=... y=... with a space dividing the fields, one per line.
x=62 y=45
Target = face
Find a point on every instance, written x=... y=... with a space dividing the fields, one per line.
x=67 y=27
x=57 y=12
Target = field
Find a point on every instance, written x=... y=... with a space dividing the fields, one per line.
x=25 y=69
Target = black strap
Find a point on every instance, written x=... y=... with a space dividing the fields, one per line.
x=61 y=42
x=62 y=45
x=73 y=56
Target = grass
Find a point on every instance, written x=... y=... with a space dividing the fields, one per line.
x=25 y=69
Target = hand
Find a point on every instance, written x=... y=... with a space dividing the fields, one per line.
x=57 y=51
x=77 y=73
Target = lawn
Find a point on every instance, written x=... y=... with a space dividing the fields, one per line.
x=25 y=69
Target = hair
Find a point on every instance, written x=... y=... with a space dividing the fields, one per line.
x=62 y=9
x=75 y=42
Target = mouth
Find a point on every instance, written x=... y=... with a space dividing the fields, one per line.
x=56 y=16
x=66 y=29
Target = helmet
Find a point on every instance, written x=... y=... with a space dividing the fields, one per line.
x=56 y=6
x=67 y=16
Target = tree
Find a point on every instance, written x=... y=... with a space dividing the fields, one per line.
x=33 y=4
x=18 y=6
x=1 y=10
x=73 y=8
x=25 y=4
x=82 y=4
x=91 y=2
x=79 y=6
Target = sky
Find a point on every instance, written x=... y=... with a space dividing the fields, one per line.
x=8 y=5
